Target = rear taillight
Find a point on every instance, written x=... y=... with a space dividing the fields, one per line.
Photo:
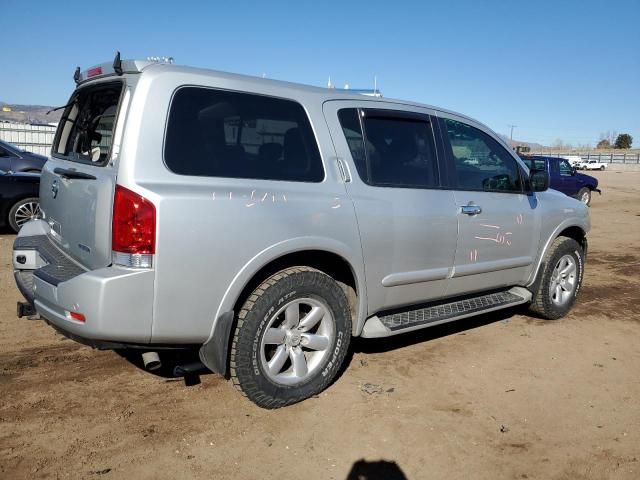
x=133 y=229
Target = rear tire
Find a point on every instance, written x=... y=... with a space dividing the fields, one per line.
x=291 y=339
x=584 y=195
x=602 y=168
x=560 y=279
x=23 y=211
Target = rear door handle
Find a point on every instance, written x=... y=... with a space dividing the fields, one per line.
x=344 y=170
x=471 y=209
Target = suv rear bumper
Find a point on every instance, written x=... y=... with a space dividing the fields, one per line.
x=117 y=302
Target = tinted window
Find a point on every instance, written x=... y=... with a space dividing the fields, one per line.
x=480 y=162
x=533 y=163
x=353 y=134
x=397 y=151
x=238 y=135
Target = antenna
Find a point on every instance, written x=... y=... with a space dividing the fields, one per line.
x=375 y=83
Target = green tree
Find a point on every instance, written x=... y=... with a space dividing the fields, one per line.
x=603 y=144
x=624 y=140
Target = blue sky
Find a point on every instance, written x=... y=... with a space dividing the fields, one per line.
x=556 y=69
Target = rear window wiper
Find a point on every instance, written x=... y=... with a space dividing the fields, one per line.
x=60 y=108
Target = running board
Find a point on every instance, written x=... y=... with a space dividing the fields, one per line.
x=434 y=314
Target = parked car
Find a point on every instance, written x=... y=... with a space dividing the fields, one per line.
x=574 y=160
x=593 y=165
x=18 y=198
x=563 y=177
x=265 y=223
x=13 y=159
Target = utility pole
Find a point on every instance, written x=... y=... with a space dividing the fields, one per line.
x=512 y=127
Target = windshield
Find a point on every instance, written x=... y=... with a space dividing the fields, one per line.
x=87 y=125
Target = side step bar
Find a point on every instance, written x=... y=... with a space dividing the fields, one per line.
x=390 y=324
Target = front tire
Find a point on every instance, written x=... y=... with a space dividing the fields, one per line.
x=291 y=339
x=584 y=195
x=602 y=168
x=561 y=279
x=23 y=211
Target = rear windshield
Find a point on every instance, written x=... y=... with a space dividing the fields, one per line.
x=86 y=127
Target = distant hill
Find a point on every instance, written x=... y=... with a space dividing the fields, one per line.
x=28 y=113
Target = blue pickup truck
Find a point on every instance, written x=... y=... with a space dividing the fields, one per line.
x=564 y=177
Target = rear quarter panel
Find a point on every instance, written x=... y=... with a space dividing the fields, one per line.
x=214 y=233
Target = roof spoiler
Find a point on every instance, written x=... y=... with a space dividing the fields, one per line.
x=118 y=67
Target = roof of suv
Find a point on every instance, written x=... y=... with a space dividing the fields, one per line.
x=324 y=94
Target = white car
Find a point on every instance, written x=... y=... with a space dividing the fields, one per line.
x=574 y=160
x=593 y=165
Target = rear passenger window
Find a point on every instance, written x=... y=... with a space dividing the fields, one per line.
x=238 y=135
x=395 y=151
x=481 y=163
x=353 y=134
x=533 y=164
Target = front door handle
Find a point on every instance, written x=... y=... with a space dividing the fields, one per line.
x=471 y=209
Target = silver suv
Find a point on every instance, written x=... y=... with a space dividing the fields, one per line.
x=265 y=223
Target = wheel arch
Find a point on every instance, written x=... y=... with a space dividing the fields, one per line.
x=333 y=264
x=326 y=255
x=565 y=229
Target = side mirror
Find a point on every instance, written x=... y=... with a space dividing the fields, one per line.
x=574 y=170
x=539 y=180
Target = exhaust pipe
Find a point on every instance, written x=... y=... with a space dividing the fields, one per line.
x=151 y=360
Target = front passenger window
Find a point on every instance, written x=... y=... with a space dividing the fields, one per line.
x=481 y=163
x=565 y=168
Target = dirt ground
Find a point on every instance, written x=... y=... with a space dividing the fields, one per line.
x=500 y=396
